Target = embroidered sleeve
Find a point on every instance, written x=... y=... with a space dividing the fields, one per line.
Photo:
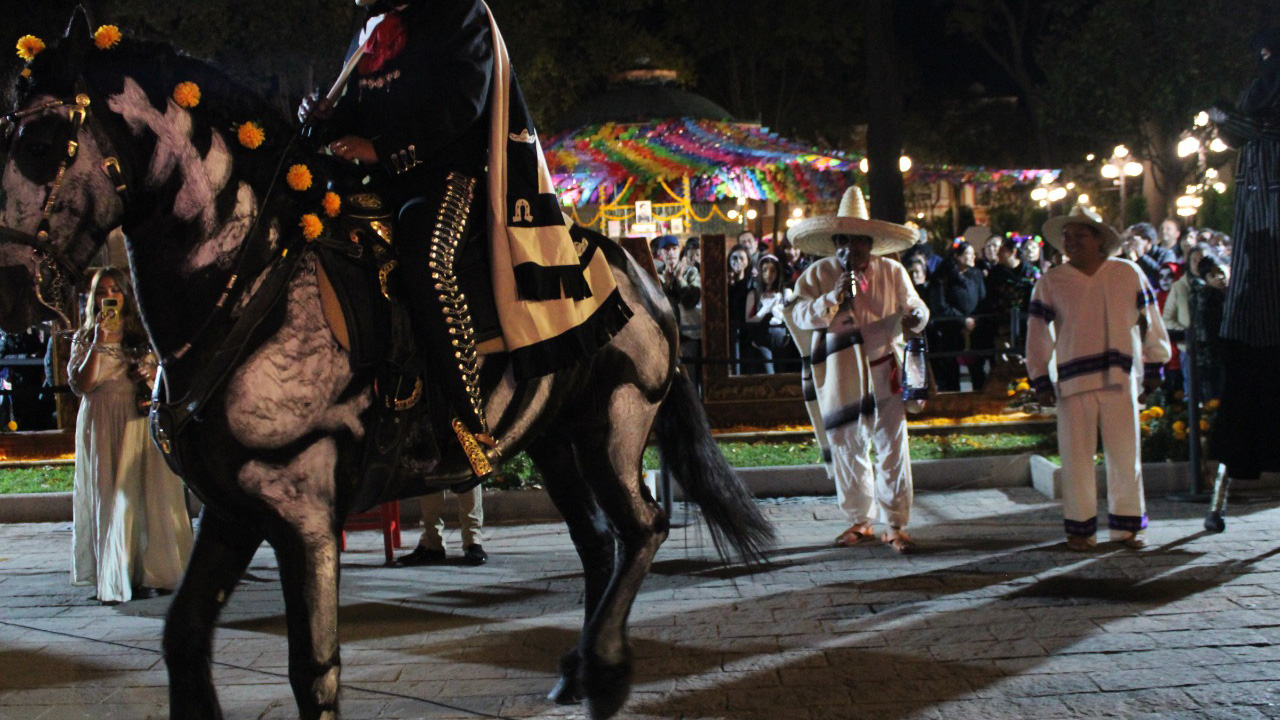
x=1041 y=337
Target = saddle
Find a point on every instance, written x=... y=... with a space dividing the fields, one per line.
x=361 y=294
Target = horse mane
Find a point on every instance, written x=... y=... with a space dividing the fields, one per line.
x=158 y=68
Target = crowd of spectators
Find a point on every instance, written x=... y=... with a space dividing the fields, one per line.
x=977 y=290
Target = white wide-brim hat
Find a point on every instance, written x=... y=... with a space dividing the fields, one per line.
x=813 y=235
x=1081 y=215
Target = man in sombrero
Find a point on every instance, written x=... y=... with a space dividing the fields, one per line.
x=1095 y=323
x=856 y=303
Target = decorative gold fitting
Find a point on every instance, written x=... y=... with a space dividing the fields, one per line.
x=383 y=230
x=111 y=164
x=82 y=100
x=72 y=146
x=406 y=403
x=383 y=272
x=475 y=454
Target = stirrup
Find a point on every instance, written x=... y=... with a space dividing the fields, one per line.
x=471 y=446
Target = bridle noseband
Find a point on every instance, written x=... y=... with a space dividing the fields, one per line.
x=52 y=261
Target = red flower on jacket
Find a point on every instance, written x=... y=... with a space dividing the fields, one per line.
x=386 y=42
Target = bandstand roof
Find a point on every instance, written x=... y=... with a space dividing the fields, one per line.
x=721 y=159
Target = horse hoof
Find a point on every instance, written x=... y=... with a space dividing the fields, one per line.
x=1214 y=523
x=565 y=692
x=607 y=688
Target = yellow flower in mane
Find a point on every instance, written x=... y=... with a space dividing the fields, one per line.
x=29 y=46
x=299 y=177
x=107 y=37
x=250 y=135
x=187 y=94
x=13 y=425
x=1022 y=386
x=332 y=204
x=312 y=226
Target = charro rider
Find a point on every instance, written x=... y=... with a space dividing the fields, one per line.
x=433 y=104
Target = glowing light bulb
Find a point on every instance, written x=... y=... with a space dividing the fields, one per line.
x=1120 y=151
x=1133 y=169
x=797 y=213
x=732 y=214
x=904 y=163
x=1188 y=146
x=1039 y=193
x=1216 y=145
x=1219 y=187
x=1110 y=172
x=751 y=214
x=863 y=166
x=1083 y=200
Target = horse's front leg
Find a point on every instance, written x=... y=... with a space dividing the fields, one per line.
x=309 y=576
x=304 y=536
x=222 y=552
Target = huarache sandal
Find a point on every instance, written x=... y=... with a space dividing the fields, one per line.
x=900 y=541
x=855 y=535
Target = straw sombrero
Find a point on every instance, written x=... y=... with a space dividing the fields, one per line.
x=1081 y=215
x=813 y=235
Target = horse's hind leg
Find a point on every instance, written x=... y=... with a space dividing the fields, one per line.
x=222 y=552
x=591 y=535
x=608 y=457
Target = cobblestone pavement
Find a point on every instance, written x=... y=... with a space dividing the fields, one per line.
x=992 y=619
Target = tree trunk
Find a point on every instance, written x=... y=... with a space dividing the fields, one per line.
x=884 y=115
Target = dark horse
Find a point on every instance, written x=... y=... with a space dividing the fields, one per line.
x=273 y=453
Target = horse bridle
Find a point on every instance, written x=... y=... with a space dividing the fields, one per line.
x=52 y=261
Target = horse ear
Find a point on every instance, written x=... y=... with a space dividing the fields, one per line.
x=79 y=34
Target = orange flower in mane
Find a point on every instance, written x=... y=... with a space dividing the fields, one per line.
x=299 y=177
x=332 y=204
x=187 y=95
x=250 y=135
x=29 y=46
x=312 y=226
x=107 y=37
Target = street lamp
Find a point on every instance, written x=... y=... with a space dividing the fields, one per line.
x=1117 y=169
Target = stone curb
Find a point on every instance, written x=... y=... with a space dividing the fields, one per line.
x=508 y=506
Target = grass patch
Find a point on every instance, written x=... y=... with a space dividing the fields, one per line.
x=519 y=472
x=36 y=479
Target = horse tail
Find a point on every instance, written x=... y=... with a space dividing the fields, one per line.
x=694 y=459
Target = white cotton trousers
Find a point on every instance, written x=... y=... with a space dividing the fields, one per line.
x=470 y=519
x=863 y=490
x=1113 y=411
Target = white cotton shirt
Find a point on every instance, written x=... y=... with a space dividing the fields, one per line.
x=1088 y=330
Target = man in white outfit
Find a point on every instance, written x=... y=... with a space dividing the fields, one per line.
x=857 y=304
x=1095 y=323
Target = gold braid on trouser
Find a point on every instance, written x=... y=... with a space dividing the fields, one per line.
x=450 y=223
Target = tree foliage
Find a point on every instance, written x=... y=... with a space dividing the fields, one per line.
x=1135 y=72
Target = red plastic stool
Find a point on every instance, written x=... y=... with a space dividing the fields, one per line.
x=385 y=517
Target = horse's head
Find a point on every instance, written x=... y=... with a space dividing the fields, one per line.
x=58 y=195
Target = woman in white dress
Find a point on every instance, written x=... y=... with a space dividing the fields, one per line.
x=131 y=528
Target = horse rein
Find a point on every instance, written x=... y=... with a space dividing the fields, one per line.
x=64 y=274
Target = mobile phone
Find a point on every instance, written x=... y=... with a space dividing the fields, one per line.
x=110 y=303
